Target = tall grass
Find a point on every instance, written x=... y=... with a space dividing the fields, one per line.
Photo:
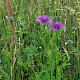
x=29 y=50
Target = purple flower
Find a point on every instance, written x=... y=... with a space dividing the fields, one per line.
x=56 y=26
x=44 y=19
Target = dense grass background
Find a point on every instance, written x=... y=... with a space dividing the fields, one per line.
x=29 y=50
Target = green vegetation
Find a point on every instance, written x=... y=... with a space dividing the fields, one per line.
x=29 y=50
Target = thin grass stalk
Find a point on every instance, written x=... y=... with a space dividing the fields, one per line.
x=79 y=41
x=13 y=29
x=78 y=52
x=10 y=8
x=3 y=10
x=11 y=73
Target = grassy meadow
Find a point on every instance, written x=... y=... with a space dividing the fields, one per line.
x=29 y=50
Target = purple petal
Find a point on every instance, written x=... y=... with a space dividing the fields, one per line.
x=44 y=19
x=62 y=26
x=56 y=26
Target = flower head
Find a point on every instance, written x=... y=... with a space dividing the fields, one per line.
x=11 y=19
x=44 y=19
x=56 y=26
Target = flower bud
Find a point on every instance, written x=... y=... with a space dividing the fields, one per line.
x=20 y=25
x=11 y=19
x=69 y=42
x=73 y=28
